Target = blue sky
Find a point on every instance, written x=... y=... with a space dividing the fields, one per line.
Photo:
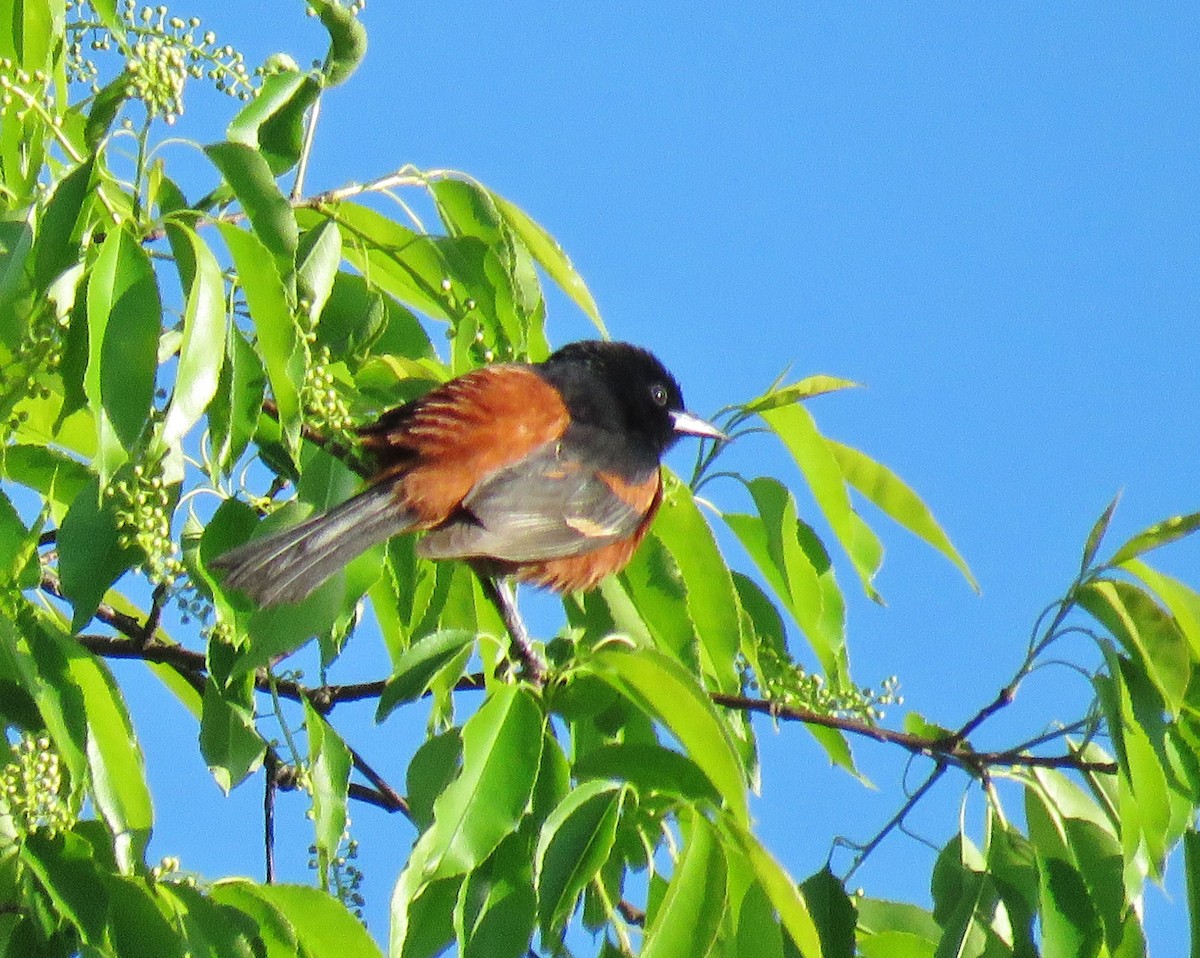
x=986 y=214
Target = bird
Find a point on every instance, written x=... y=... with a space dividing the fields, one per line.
x=545 y=473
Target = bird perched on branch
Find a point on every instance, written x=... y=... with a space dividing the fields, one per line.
x=546 y=473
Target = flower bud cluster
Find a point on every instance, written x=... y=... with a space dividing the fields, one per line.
x=786 y=683
x=143 y=508
x=346 y=878
x=40 y=351
x=161 y=53
x=31 y=785
x=323 y=401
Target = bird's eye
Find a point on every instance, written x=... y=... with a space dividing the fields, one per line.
x=658 y=392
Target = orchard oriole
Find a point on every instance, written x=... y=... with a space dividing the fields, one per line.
x=547 y=473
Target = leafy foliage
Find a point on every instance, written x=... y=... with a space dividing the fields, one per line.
x=154 y=347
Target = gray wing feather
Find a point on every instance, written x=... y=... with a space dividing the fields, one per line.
x=543 y=507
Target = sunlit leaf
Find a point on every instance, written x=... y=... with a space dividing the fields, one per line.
x=318 y=257
x=1092 y=545
x=124 y=318
x=1145 y=630
x=202 y=353
x=1181 y=600
x=785 y=895
x=711 y=596
x=322 y=925
x=574 y=843
x=814 y=455
x=418 y=665
x=551 y=258
x=278 y=334
x=891 y=494
x=686 y=923
x=807 y=388
x=347 y=40
x=502 y=745
x=671 y=694
x=329 y=769
x=273 y=121
x=1160 y=534
x=271 y=217
x=229 y=739
x=796 y=566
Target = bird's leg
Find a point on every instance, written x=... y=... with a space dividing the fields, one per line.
x=503 y=594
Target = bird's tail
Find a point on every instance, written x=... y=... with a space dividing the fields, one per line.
x=287 y=566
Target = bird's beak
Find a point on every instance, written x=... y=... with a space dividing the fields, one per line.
x=685 y=422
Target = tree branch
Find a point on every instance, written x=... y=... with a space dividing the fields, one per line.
x=945 y=749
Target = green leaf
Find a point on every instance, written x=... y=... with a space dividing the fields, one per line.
x=57 y=477
x=1181 y=601
x=434 y=766
x=202 y=353
x=253 y=183
x=91 y=556
x=1092 y=545
x=785 y=896
x=877 y=916
x=275 y=933
x=1145 y=630
x=16 y=542
x=57 y=246
x=650 y=768
x=66 y=868
x=229 y=738
x=814 y=455
x=418 y=665
x=322 y=925
x=574 y=844
x=890 y=493
x=393 y=258
x=1191 y=866
x=210 y=928
x=318 y=258
x=329 y=770
x=664 y=689
x=686 y=923
x=896 y=944
x=1070 y=928
x=124 y=317
x=496 y=911
x=502 y=745
x=347 y=40
x=711 y=596
x=797 y=568
x=832 y=913
x=278 y=335
x=237 y=405
x=550 y=256
x=273 y=122
x=118 y=774
x=1160 y=534
x=807 y=388
x=106 y=105
x=136 y=926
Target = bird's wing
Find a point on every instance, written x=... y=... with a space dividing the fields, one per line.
x=548 y=505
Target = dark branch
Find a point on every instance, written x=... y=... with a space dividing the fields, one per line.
x=947 y=749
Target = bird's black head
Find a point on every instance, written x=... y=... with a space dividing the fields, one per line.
x=625 y=390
